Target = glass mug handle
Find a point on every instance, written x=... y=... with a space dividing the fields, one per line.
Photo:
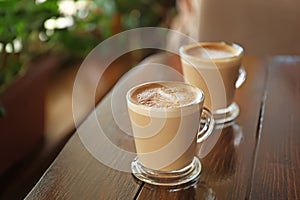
x=242 y=77
x=207 y=122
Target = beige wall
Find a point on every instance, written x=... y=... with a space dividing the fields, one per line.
x=263 y=27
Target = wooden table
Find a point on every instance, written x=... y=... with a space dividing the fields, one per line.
x=256 y=158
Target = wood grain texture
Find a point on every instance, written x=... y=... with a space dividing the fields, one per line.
x=256 y=158
x=277 y=169
x=76 y=174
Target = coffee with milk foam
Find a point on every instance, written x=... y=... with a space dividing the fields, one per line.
x=161 y=96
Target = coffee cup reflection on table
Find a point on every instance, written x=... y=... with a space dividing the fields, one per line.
x=220 y=162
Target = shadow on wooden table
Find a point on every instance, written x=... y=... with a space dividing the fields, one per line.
x=19 y=179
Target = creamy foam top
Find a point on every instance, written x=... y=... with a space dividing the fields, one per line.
x=213 y=51
x=165 y=95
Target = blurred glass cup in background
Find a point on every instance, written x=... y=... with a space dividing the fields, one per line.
x=215 y=67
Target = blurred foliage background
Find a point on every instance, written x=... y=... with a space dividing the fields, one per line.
x=29 y=28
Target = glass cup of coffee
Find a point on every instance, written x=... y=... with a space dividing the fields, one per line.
x=168 y=121
x=215 y=67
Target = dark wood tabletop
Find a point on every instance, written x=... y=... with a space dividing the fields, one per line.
x=258 y=157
